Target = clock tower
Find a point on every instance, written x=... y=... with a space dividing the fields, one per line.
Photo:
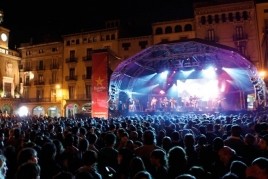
x=4 y=33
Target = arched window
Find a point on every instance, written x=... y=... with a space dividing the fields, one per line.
x=178 y=28
x=188 y=27
x=107 y=37
x=158 y=31
x=168 y=30
x=245 y=15
x=237 y=16
x=230 y=17
x=203 y=20
x=210 y=20
x=217 y=18
x=223 y=18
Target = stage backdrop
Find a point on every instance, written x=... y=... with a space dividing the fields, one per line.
x=100 y=85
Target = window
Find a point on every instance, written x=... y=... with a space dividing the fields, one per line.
x=54 y=49
x=27 y=80
x=203 y=20
x=88 y=91
x=54 y=93
x=242 y=49
x=112 y=37
x=68 y=43
x=39 y=94
x=88 y=72
x=26 y=93
x=223 y=18
x=71 y=92
x=143 y=44
x=54 y=62
x=239 y=32
x=89 y=53
x=40 y=78
x=54 y=77
x=28 y=66
x=237 y=16
x=245 y=15
x=168 y=30
x=178 y=28
x=41 y=65
x=41 y=51
x=230 y=17
x=217 y=18
x=77 y=41
x=72 y=72
x=210 y=20
x=188 y=27
x=158 y=31
x=125 y=46
x=107 y=37
x=211 y=35
x=72 y=54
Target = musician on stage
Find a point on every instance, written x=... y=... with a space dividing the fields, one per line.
x=173 y=103
x=153 y=103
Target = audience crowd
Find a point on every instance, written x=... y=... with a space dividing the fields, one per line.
x=167 y=146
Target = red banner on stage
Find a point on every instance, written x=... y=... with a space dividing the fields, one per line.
x=100 y=85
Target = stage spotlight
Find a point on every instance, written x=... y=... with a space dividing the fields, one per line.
x=164 y=74
x=162 y=92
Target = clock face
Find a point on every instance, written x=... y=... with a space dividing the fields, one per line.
x=4 y=37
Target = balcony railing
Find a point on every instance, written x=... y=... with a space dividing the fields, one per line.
x=55 y=81
x=71 y=60
x=214 y=39
x=39 y=82
x=86 y=77
x=87 y=58
x=71 y=78
x=36 y=99
x=28 y=68
x=27 y=84
x=243 y=37
x=54 y=66
x=38 y=68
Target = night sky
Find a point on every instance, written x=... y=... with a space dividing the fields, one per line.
x=39 y=20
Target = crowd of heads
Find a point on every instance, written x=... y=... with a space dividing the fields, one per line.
x=171 y=146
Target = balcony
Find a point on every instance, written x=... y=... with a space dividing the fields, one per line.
x=21 y=69
x=40 y=68
x=87 y=58
x=54 y=66
x=71 y=60
x=242 y=37
x=54 y=81
x=36 y=100
x=39 y=82
x=86 y=77
x=214 y=39
x=82 y=97
x=71 y=78
x=28 y=68
x=27 y=84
